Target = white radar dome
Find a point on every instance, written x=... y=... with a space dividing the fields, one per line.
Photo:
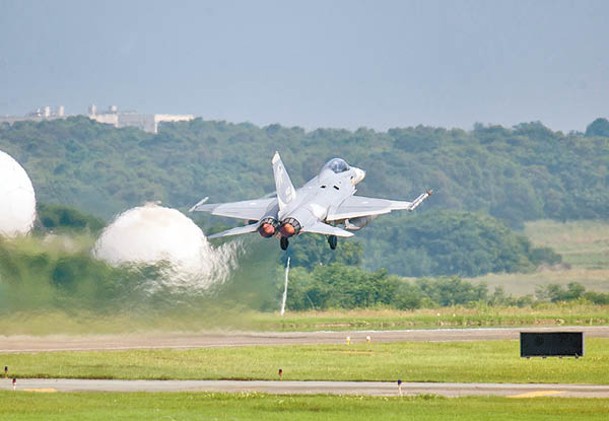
x=153 y=234
x=17 y=198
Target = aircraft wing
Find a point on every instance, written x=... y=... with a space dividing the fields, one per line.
x=358 y=206
x=246 y=229
x=247 y=209
x=321 y=228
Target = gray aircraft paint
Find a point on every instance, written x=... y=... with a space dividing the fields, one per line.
x=325 y=205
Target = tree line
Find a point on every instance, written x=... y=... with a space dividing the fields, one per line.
x=487 y=182
x=514 y=174
x=435 y=243
x=338 y=286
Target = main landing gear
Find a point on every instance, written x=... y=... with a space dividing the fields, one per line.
x=332 y=240
x=284 y=243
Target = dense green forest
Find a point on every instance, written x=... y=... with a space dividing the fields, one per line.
x=431 y=243
x=484 y=181
x=514 y=174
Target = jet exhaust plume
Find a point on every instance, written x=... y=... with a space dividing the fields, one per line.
x=135 y=277
x=151 y=235
x=268 y=227
x=289 y=227
x=17 y=198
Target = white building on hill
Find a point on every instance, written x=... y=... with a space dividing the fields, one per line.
x=146 y=122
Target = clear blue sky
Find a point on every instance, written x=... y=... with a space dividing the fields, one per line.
x=349 y=64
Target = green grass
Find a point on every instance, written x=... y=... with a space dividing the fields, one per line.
x=253 y=406
x=583 y=244
x=476 y=361
x=519 y=284
x=558 y=314
x=80 y=322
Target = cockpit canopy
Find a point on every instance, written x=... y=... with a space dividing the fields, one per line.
x=337 y=165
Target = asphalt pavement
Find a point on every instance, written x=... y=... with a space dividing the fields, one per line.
x=53 y=343
x=309 y=387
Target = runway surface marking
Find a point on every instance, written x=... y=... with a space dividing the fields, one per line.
x=537 y=394
x=41 y=390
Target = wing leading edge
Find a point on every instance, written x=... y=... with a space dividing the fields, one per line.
x=248 y=209
x=360 y=206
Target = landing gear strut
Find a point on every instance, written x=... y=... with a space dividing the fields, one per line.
x=284 y=243
x=332 y=240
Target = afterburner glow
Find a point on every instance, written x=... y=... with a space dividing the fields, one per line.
x=153 y=234
x=17 y=199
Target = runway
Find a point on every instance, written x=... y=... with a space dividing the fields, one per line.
x=310 y=387
x=10 y=344
x=56 y=343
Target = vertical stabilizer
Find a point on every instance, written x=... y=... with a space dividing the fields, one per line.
x=285 y=189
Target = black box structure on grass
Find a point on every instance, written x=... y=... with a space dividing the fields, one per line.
x=551 y=344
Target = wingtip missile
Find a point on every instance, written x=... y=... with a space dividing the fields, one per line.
x=420 y=200
x=199 y=203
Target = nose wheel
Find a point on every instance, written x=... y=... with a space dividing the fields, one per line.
x=284 y=243
x=333 y=240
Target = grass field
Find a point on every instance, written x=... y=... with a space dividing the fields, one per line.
x=78 y=323
x=546 y=314
x=519 y=284
x=476 y=361
x=252 y=406
x=446 y=317
x=584 y=246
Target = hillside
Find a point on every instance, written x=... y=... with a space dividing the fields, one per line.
x=513 y=175
x=583 y=244
x=584 y=247
x=524 y=173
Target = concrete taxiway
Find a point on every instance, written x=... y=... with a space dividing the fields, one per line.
x=310 y=387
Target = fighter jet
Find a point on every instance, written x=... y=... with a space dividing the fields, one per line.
x=325 y=205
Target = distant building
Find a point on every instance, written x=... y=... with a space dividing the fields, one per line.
x=40 y=114
x=146 y=122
